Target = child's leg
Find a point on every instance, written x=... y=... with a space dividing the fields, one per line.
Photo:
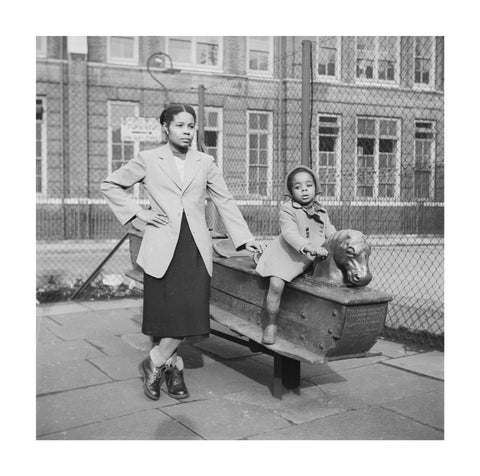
x=274 y=296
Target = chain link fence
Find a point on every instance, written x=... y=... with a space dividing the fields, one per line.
x=373 y=107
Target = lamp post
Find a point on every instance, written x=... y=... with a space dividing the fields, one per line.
x=164 y=65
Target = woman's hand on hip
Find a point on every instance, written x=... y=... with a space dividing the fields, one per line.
x=255 y=246
x=152 y=217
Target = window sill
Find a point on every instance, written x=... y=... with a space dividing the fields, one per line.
x=122 y=61
x=376 y=83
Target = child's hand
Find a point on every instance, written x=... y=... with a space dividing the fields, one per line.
x=321 y=252
x=316 y=251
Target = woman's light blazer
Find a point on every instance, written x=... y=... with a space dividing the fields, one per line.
x=157 y=170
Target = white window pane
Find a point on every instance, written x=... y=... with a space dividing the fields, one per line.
x=423 y=46
x=122 y=46
x=212 y=119
x=261 y=43
x=119 y=111
x=207 y=53
x=263 y=122
x=258 y=60
x=180 y=50
x=387 y=47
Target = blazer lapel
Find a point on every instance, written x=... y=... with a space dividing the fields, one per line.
x=167 y=163
x=192 y=166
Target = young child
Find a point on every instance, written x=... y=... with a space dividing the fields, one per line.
x=304 y=226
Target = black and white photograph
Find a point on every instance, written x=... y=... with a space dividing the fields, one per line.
x=240 y=240
x=240 y=237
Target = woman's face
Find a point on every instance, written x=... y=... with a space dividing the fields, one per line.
x=303 y=188
x=181 y=130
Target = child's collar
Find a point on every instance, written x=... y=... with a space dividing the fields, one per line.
x=312 y=205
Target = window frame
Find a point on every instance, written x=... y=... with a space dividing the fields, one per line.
x=375 y=80
x=376 y=159
x=432 y=160
x=43 y=134
x=122 y=60
x=257 y=72
x=338 y=155
x=268 y=195
x=136 y=144
x=431 y=85
x=338 y=61
x=42 y=53
x=192 y=65
x=219 y=129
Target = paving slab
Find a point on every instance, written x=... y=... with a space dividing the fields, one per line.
x=67 y=410
x=89 y=317
x=216 y=380
x=223 y=419
x=310 y=403
x=145 y=425
x=67 y=376
x=44 y=335
x=371 y=423
x=427 y=408
x=120 y=367
x=59 y=308
x=113 y=345
x=94 y=324
x=394 y=349
x=373 y=384
x=430 y=364
x=251 y=369
x=194 y=358
x=138 y=341
x=60 y=352
x=113 y=304
x=223 y=348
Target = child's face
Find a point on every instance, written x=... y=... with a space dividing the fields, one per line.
x=303 y=188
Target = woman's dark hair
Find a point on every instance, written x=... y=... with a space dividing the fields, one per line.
x=173 y=109
x=294 y=172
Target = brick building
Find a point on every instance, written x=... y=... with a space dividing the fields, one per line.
x=377 y=137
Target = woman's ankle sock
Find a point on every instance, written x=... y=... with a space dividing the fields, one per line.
x=156 y=356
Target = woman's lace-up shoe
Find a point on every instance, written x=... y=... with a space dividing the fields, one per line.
x=152 y=378
x=176 y=387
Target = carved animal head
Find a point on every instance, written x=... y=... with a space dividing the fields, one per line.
x=347 y=261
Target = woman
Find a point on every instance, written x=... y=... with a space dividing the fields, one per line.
x=176 y=250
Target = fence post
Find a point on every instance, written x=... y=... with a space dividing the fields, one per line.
x=211 y=211
x=306 y=102
x=201 y=118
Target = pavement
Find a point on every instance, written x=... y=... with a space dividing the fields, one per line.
x=89 y=387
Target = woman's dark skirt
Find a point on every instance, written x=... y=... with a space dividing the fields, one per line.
x=177 y=305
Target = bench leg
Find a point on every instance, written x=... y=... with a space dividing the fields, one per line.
x=286 y=374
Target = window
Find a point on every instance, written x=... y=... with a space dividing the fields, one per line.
x=260 y=55
x=41 y=46
x=41 y=147
x=122 y=49
x=377 y=174
x=424 y=159
x=199 y=52
x=120 y=151
x=378 y=58
x=213 y=133
x=424 y=61
x=259 y=160
x=328 y=57
x=329 y=156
